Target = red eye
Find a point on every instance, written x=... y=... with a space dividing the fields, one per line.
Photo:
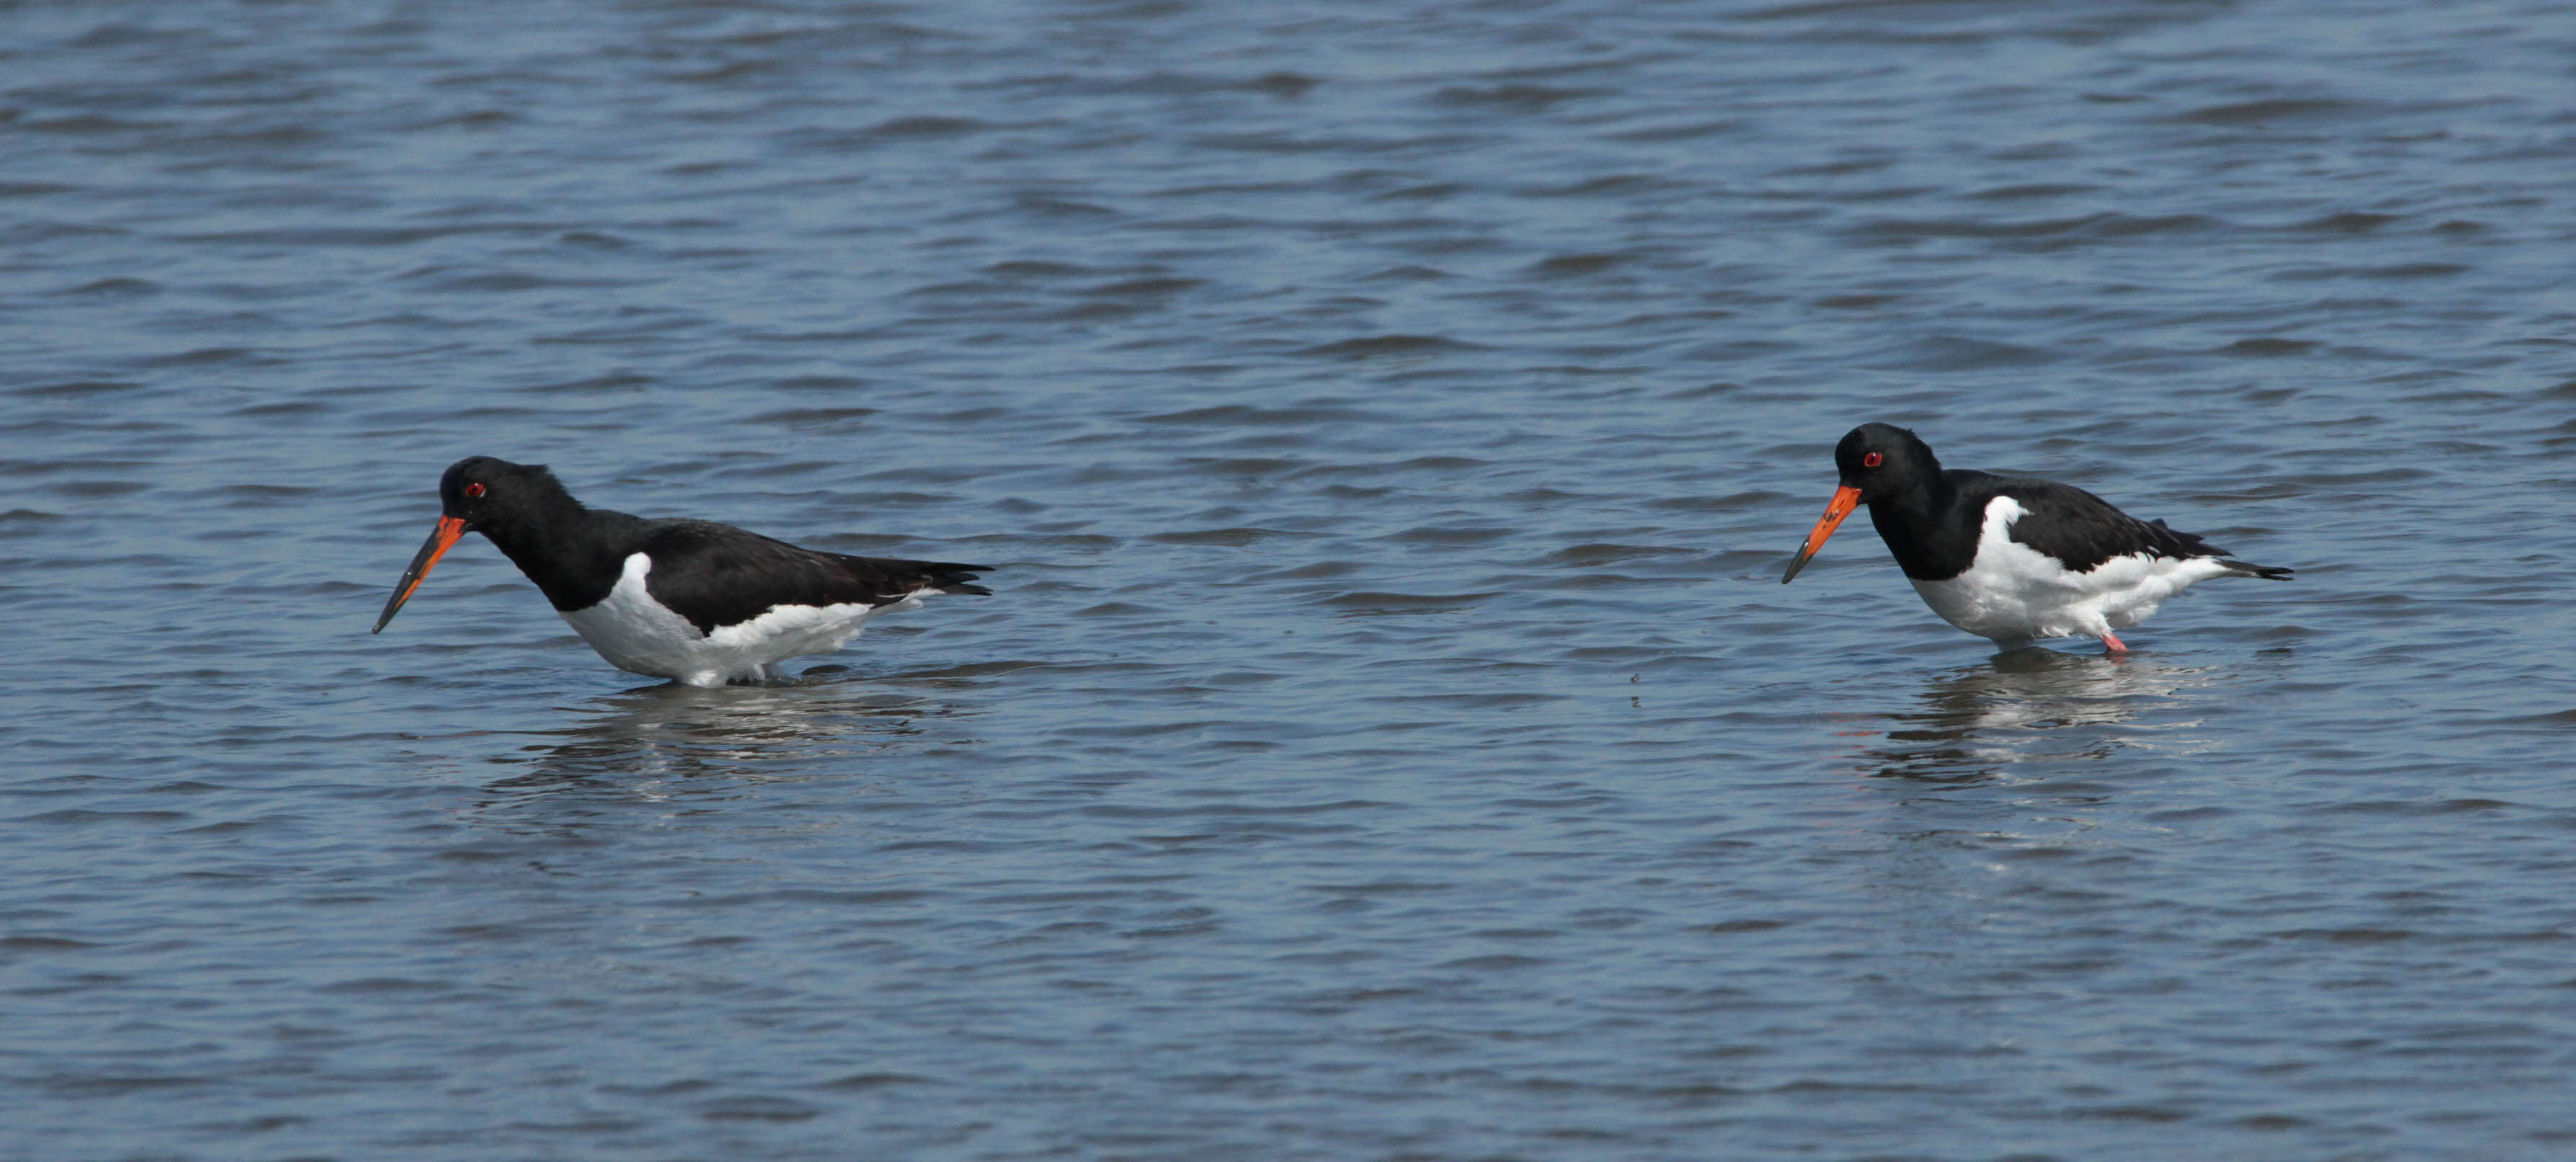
x=1871 y=459
x=475 y=491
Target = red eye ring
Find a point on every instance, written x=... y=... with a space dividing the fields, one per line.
x=1871 y=459
x=475 y=491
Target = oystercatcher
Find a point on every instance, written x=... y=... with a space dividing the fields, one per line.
x=693 y=600
x=2010 y=558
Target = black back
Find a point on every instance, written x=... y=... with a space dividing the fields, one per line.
x=718 y=575
x=2076 y=527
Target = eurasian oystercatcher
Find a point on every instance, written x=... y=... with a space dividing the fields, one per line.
x=693 y=600
x=2010 y=558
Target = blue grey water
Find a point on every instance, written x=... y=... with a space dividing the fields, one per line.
x=1389 y=737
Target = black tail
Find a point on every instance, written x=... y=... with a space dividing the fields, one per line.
x=893 y=579
x=2266 y=572
x=951 y=577
x=2193 y=545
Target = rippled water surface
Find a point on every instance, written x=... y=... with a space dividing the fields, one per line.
x=1389 y=737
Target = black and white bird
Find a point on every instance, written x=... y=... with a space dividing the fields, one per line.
x=692 y=600
x=2010 y=558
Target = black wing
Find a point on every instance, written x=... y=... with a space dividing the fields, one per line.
x=2084 y=530
x=717 y=575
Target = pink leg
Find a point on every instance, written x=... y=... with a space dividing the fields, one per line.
x=2112 y=644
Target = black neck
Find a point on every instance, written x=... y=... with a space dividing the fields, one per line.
x=574 y=554
x=1928 y=528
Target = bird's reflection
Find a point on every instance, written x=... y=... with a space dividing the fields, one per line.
x=1976 y=723
x=654 y=741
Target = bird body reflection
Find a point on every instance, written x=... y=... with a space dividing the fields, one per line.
x=1977 y=722
x=651 y=740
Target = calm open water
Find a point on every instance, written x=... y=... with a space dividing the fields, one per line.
x=1389 y=738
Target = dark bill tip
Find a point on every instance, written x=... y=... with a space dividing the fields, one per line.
x=441 y=538
x=1846 y=498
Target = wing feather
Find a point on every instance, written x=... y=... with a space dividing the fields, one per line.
x=717 y=575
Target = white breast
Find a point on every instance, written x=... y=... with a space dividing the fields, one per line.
x=635 y=632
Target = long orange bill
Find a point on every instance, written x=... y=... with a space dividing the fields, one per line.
x=1846 y=498
x=440 y=540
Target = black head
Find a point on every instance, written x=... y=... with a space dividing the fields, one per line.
x=487 y=493
x=1880 y=464
x=480 y=494
x=1881 y=459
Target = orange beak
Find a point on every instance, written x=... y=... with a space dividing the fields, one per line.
x=1846 y=498
x=440 y=540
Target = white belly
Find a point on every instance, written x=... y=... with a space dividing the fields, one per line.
x=2015 y=594
x=638 y=634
